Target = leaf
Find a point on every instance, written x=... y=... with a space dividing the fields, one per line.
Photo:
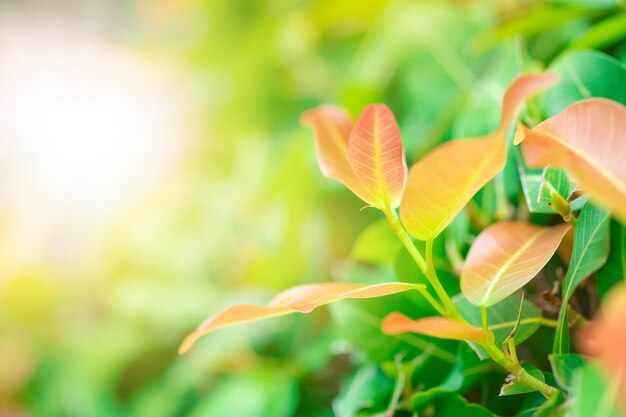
x=502 y=318
x=505 y=257
x=368 y=387
x=514 y=387
x=579 y=79
x=564 y=366
x=587 y=140
x=300 y=299
x=614 y=270
x=440 y=327
x=376 y=244
x=443 y=182
x=591 y=244
x=454 y=405
x=376 y=156
x=605 y=340
x=554 y=180
x=593 y=395
x=331 y=129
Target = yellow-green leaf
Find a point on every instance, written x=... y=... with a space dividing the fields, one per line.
x=443 y=182
x=441 y=327
x=505 y=257
x=300 y=299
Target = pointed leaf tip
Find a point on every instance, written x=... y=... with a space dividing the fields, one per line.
x=301 y=299
x=440 y=327
x=505 y=257
x=444 y=181
x=376 y=155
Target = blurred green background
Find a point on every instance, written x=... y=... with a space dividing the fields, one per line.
x=161 y=175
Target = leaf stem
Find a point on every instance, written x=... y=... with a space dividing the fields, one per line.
x=513 y=349
x=426 y=265
x=484 y=318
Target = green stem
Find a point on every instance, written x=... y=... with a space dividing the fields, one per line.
x=513 y=349
x=425 y=265
x=516 y=369
x=484 y=316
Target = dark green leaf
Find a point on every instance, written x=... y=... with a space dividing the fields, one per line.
x=514 y=387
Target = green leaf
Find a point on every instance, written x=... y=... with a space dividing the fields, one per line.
x=564 y=366
x=368 y=388
x=502 y=318
x=603 y=33
x=590 y=4
x=554 y=180
x=376 y=244
x=454 y=405
x=614 y=270
x=579 y=80
x=591 y=245
x=514 y=387
x=592 y=395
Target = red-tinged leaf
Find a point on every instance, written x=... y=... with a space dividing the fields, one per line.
x=588 y=139
x=331 y=129
x=444 y=181
x=440 y=327
x=505 y=257
x=301 y=299
x=377 y=157
x=605 y=339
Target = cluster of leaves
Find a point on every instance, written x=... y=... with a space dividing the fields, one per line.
x=566 y=155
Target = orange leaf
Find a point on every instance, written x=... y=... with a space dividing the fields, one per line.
x=331 y=128
x=605 y=338
x=301 y=299
x=588 y=139
x=505 y=257
x=377 y=157
x=441 y=327
x=444 y=181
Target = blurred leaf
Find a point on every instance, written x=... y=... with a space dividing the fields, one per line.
x=505 y=257
x=591 y=244
x=603 y=33
x=592 y=395
x=453 y=405
x=439 y=327
x=368 y=388
x=591 y=4
x=579 y=79
x=260 y=394
x=577 y=139
x=377 y=244
x=564 y=366
x=442 y=183
x=301 y=299
x=614 y=270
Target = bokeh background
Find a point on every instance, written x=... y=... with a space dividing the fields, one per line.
x=153 y=171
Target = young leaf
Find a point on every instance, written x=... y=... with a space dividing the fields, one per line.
x=442 y=183
x=441 y=327
x=300 y=299
x=376 y=155
x=331 y=129
x=554 y=180
x=587 y=138
x=591 y=244
x=505 y=257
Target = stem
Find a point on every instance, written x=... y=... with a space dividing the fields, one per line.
x=516 y=369
x=425 y=265
x=484 y=316
x=513 y=349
